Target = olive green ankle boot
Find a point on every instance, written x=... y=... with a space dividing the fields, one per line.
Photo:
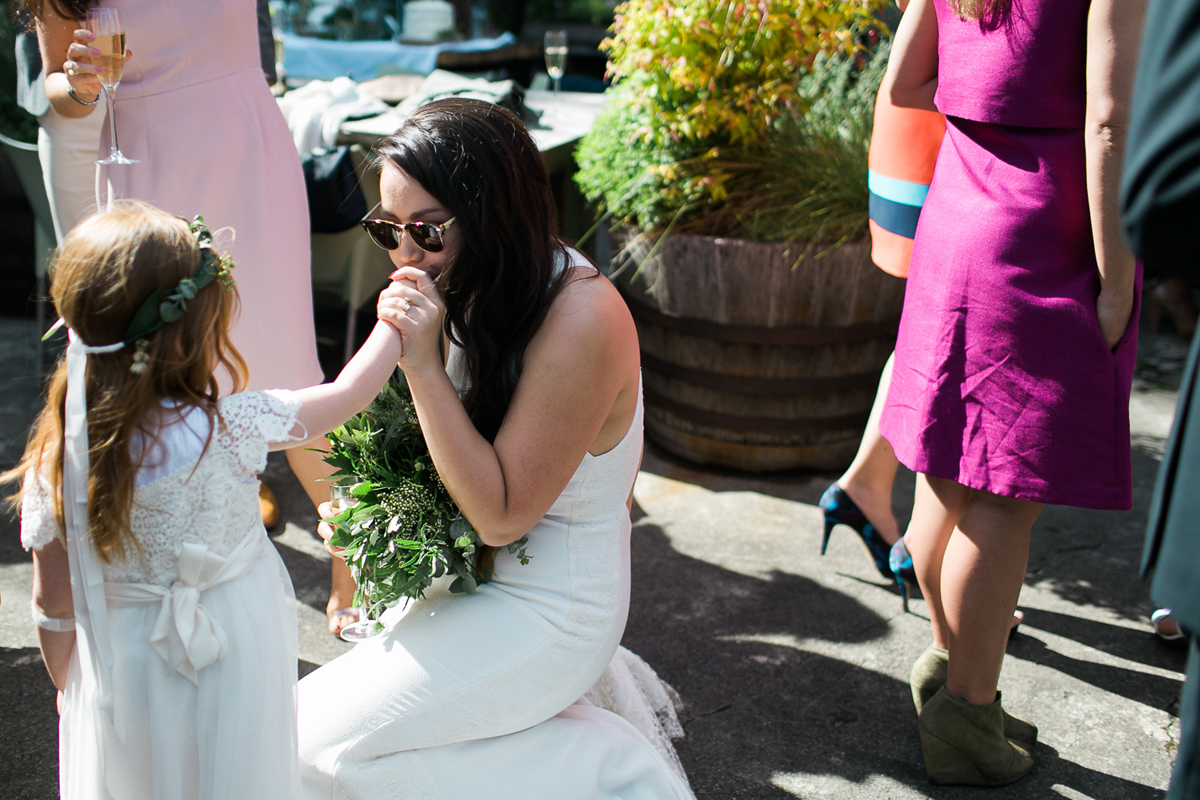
x=964 y=743
x=929 y=674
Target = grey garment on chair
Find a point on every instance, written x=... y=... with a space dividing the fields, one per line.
x=31 y=87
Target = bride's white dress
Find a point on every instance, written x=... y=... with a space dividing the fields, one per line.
x=202 y=623
x=484 y=695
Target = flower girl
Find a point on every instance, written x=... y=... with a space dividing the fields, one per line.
x=164 y=614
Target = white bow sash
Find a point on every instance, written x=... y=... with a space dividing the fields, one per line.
x=185 y=636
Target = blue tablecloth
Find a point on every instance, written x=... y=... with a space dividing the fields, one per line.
x=321 y=59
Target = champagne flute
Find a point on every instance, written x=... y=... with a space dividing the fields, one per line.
x=105 y=25
x=556 y=57
x=341 y=499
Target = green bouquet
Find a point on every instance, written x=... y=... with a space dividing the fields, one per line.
x=404 y=530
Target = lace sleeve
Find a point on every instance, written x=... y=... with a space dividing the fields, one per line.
x=253 y=420
x=39 y=526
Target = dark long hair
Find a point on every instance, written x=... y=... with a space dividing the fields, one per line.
x=478 y=160
x=67 y=9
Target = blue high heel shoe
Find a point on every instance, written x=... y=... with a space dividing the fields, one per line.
x=902 y=568
x=840 y=509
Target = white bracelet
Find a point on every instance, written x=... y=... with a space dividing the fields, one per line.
x=55 y=624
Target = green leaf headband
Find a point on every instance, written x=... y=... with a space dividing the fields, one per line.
x=156 y=312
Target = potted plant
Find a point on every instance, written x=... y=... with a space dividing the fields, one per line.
x=734 y=150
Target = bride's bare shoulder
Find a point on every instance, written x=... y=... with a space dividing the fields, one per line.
x=589 y=306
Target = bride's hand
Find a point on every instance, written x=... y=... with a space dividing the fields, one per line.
x=325 y=530
x=413 y=305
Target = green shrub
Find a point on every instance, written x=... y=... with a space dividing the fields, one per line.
x=736 y=119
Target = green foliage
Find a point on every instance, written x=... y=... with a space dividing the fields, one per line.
x=711 y=92
x=810 y=185
x=15 y=122
x=405 y=530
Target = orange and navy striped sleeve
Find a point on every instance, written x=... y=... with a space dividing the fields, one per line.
x=904 y=147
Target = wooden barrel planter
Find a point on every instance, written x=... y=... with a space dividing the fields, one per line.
x=758 y=356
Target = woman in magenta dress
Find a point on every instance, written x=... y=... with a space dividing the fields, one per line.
x=1016 y=349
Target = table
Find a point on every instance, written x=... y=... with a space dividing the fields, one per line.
x=564 y=122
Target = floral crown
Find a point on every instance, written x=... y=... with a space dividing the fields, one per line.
x=157 y=311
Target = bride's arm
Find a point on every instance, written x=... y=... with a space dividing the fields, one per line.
x=579 y=365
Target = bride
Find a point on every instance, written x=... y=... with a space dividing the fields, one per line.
x=534 y=422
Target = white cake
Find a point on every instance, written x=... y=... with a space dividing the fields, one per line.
x=425 y=20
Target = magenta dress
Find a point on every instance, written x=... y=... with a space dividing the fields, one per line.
x=1003 y=381
x=194 y=109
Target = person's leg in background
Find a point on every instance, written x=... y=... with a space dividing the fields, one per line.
x=311 y=470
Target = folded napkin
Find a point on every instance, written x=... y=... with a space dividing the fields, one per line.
x=315 y=111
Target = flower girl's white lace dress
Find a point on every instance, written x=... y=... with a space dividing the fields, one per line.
x=202 y=624
x=517 y=691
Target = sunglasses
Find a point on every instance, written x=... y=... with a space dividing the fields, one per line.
x=386 y=233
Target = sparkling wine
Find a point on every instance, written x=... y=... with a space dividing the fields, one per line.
x=112 y=58
x=105 y=25
x=556 y=61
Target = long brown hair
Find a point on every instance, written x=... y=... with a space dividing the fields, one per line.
x=67 y=9
x=109 y=264
x=989 y=13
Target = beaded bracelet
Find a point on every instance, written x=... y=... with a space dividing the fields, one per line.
x=54 y=624
x=77 y=99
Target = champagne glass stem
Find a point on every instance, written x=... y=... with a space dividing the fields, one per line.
x=111 y=102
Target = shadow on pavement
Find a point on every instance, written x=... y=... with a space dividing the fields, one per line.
x=766 y=718
x=1140 y=646
x=1151 y=690
x=29 y=736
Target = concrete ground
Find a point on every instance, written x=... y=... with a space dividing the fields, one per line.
x=793 y=668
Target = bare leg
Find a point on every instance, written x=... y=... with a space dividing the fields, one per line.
x=310 y=469
x=868 y=480
x=937 y=506
x=983 y=567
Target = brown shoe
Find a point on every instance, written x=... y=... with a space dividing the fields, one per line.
x=268 y=506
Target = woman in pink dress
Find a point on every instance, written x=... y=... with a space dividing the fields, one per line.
x=1015 y=354
x=194 y=110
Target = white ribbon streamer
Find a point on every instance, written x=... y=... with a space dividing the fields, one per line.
x=92 y=641
x=185 y=636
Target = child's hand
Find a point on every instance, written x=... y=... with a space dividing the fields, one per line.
x=413 y=305
x=325 y=530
